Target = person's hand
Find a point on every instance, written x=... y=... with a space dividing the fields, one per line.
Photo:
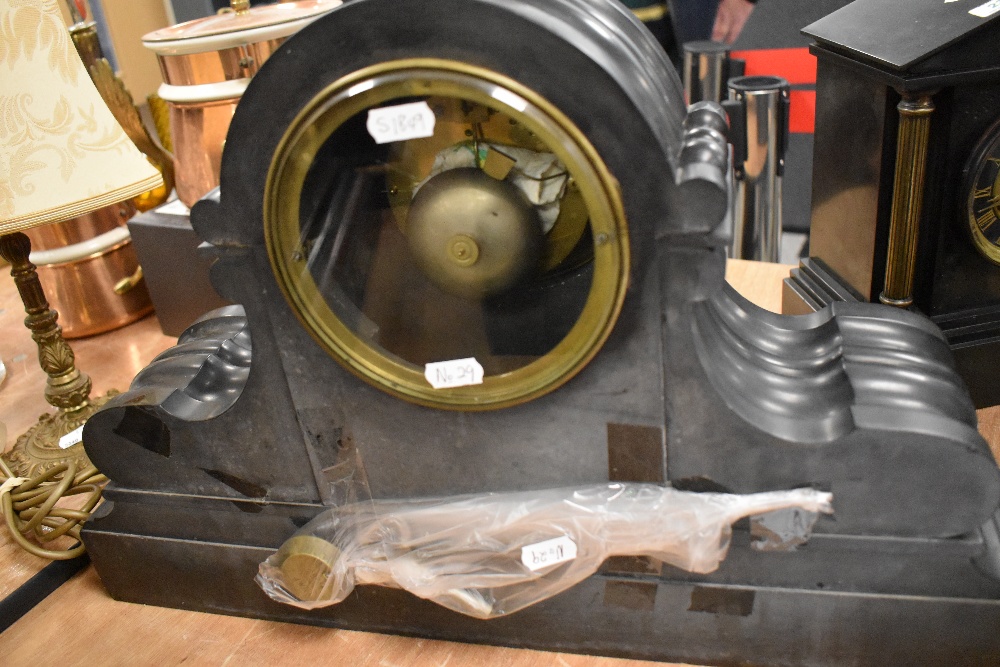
x=729 y=20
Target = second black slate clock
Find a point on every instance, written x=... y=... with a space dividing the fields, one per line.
x=907 y=94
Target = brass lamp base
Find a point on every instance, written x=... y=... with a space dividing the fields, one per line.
x=67 y=389
x=38 y=449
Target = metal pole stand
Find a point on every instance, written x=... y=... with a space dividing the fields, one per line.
x=758 y=105
x=707 y=67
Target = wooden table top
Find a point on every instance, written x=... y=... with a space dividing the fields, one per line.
x=79 y=624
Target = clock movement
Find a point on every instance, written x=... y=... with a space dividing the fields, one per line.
x=479 y=246
x=897 y=178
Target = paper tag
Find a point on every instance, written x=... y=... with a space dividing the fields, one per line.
x=74 y=437
x=548 y=553
x=455 y=373
x=987 y=10
x=11 y=483
x=401 y=122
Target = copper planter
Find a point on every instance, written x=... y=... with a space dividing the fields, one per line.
x=80 y=283
x=82 y=228
x=206 y=65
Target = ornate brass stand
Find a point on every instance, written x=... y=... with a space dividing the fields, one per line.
x=119 y=100
x=67 y=389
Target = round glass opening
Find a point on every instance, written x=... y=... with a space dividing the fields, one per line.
x=446 y=234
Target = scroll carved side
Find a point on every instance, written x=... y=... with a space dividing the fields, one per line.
x=804 y=378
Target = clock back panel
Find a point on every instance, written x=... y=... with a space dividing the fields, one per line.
x=412 y=450
x=692 y=386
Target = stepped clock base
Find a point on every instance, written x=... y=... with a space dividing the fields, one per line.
x=838 y=600
x=974 y=336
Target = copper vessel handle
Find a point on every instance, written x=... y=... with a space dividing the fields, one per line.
x=128 y=283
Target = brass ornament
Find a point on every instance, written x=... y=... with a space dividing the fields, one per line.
x=308 y=566
x=37 y=450
x=119 y=101
x=66 y=388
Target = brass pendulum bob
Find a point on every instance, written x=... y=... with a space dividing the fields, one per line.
x=67 y=389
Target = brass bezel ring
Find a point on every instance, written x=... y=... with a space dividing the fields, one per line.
x=376 y=85
x=988 y=146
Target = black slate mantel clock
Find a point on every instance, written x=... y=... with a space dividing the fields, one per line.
x=905 y=179
x=482 y=249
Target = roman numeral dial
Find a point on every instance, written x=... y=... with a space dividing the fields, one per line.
x=983 y=196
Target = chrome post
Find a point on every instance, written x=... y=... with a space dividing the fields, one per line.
x=706 y=68
x=757 y=214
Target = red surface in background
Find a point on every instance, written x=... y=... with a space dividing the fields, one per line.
x=797 y=66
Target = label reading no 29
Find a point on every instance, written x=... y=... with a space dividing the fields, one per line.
x=414 y=120
x=454 y=373
x=548 y=553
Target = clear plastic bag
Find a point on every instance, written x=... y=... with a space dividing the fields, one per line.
x=493 y=554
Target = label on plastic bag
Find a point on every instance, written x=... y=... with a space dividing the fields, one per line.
x=74 y=437
x=414 y=120
x=454 y=373
x=548 y=553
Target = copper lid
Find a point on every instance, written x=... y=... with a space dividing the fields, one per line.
x=231 y=28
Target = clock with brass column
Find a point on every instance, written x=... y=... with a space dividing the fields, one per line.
x=905 y=185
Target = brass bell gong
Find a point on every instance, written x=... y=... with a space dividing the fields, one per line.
x=473 y=235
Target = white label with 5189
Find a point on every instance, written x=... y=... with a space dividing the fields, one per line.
x=414 y=120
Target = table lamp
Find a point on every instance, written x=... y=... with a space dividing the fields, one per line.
x=62 y=154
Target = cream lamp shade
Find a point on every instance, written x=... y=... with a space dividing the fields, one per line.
x=62 y=153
